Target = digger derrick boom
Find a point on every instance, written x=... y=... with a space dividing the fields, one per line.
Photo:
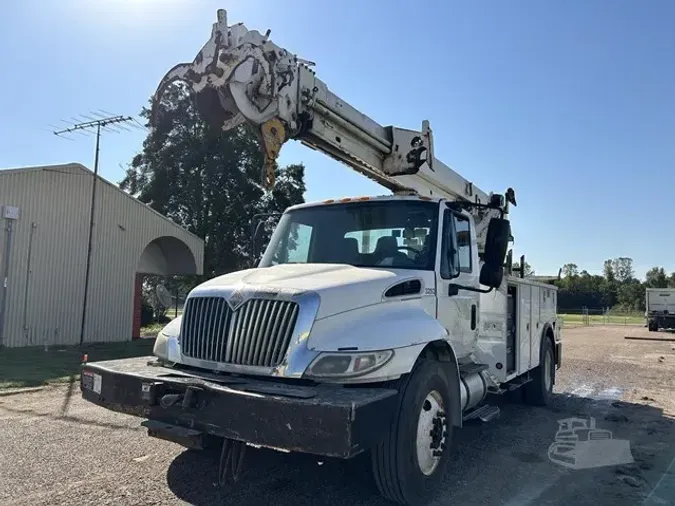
x=246 y=78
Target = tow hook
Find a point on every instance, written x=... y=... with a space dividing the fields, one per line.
x=169 y=400
x=187 y=399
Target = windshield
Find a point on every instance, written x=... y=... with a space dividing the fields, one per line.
x=397 y=234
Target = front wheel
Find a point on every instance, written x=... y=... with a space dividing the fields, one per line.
x=408 y=464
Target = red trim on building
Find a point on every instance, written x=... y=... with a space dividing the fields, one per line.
x=138 y=297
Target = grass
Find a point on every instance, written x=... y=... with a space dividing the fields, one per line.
x=152 y=329
x=598 y=319
x=33 y=366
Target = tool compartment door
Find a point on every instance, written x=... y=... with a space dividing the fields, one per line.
x=536 y=326
x=524 y=327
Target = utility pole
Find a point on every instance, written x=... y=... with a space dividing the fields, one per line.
x=97 y=124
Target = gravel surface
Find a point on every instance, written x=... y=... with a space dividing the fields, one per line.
x=93 y=456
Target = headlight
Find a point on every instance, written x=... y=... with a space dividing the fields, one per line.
x=342 y=365
x=166 y=344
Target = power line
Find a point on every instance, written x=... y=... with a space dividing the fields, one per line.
x=83 y=127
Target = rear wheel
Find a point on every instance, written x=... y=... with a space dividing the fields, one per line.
x=409 y=463
x=652 y=326
x=538 y=392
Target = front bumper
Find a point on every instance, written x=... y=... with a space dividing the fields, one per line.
x=327 y=420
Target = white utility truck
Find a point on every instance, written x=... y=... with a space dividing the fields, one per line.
x=371 y=324
x=660 y=308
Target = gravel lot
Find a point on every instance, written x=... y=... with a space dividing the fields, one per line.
x=92 y=456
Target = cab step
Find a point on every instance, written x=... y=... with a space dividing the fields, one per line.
x=471 y=368
x=485 y=413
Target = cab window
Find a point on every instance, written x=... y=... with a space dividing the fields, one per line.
x=456 y=250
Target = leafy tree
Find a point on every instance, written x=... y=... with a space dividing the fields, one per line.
x=623 y=269
x=656 y=277
x=631 y=296
x=608 y=271
x=570 y=270
x=207 y=180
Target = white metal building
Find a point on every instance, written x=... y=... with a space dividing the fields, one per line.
x=44 y=231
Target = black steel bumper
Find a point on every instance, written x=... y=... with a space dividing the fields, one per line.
x=323 y=420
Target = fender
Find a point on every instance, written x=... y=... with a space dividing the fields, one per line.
x=445 y=353
x=537 y=353
x=400 y=326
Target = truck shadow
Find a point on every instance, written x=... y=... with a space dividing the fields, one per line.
x=503 y=462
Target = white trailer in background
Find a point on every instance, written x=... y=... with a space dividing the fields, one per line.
x=660 y=308
x=371 y=324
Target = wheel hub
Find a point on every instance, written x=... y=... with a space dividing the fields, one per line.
x=431 y=433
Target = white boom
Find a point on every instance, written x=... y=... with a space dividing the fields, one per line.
x=240 y=76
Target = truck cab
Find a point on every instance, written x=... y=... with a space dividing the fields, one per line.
x=383 y=274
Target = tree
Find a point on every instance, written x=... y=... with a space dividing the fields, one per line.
x=608 y=271
x=570 y=270
x=623 y=269
x=207 y=180
x=656 y=278
x=631 y=296
x=671 y=280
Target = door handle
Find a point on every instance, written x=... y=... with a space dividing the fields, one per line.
x=473 y=317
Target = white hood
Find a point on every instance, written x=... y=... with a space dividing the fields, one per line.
x=341 y=287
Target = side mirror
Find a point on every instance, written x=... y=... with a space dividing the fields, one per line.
x=496 y=244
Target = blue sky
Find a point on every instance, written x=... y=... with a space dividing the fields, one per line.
x=571 y=103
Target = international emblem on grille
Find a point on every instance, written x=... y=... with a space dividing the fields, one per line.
x=236 y=299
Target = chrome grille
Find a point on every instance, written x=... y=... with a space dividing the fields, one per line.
x=258 y=333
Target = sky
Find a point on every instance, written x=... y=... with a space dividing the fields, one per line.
x=570 y=103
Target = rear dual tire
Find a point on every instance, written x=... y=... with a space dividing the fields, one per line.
x=408 y=465
x=539 y=391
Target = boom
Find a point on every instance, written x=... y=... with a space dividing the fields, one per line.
x=240 y=76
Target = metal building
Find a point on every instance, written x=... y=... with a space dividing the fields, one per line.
x=44 y=238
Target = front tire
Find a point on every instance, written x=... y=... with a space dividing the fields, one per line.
x=539 y=391
x=409 y=463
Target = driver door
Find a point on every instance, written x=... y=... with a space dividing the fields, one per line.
x=457 y=308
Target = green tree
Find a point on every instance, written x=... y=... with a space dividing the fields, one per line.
x=570 y=270
x=623 y=269
x=207 y=180
x=656 y=277
x=631 y=296
x=608 y=271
